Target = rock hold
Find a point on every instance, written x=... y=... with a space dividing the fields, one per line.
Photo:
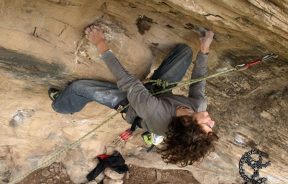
x=113 y=174
x=110 y=181
x=100 y=177
x=45 y=173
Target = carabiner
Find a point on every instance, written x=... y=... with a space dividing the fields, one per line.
x=269 y=56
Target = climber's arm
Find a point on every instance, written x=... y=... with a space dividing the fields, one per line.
x=142 y=101
x=139 y=97
x=197 y=90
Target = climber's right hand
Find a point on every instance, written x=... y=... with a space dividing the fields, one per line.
x=96 y=36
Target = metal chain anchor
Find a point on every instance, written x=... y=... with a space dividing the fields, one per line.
x=256 y=165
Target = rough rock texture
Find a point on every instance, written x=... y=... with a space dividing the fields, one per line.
x=55 y=173
x=113 y=174
x=157 y=176
x=42 y=44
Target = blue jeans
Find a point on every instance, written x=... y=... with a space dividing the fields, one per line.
x=76 y=95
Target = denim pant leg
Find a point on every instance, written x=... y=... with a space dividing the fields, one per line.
x=175 y=65
x=79 y=93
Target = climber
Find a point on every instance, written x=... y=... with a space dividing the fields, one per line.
x=183 y=121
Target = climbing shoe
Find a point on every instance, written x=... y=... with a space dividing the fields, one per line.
x=151 y=138
x=147 y=137
x=53 y=93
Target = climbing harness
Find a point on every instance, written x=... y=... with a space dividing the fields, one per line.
x=128 y=133
x=256 y=165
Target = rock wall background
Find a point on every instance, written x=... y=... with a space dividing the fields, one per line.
x=42 y=44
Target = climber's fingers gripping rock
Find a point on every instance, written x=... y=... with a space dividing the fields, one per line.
x=96 y=36
x=206 y=41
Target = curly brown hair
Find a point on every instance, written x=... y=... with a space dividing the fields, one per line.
x=186 y=142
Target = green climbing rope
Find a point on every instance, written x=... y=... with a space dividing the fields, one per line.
x=165 y=84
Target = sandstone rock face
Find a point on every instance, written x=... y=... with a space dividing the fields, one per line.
x=113 y=174
x=42 y=45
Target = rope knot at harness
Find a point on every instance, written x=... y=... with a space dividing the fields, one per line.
x=162 y=83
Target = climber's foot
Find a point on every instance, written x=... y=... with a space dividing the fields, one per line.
x=53 y=93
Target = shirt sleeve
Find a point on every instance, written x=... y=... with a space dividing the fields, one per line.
x=197 y=90
x=142 y=101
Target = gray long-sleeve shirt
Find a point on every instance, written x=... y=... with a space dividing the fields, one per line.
x=157 y=112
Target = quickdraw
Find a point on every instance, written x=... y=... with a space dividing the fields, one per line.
x=256 y=165
x=255 y=62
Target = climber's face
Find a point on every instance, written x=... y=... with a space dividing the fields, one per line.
x=202 y=118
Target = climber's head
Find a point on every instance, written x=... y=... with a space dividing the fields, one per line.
x=189 y=138
x=204 y=120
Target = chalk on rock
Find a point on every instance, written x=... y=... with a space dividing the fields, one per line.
x=17 y=119
x=19 y=116
x=110 y=181
x=113 y=174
